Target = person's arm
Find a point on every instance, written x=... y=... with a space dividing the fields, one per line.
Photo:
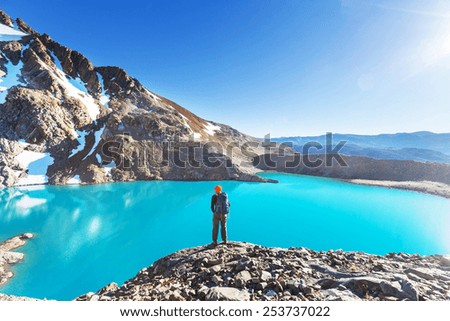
x=213 y=203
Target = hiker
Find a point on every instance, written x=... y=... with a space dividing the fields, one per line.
x=220 y=206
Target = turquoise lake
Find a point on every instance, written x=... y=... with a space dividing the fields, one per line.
x=88 y=236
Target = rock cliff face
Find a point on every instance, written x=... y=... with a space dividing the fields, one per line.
x=63 y=120
x=243 y=271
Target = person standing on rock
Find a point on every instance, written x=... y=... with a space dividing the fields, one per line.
x=220 y=206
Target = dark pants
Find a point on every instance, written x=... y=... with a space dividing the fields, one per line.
x=222 y=219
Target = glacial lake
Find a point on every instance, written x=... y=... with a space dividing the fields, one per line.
x=88 y=236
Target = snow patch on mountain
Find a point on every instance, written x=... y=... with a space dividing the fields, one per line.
x=77 y=83
x=81 y=138
x=10 y=79
x=109 y=167
x=56 y=60
x=104 y=98
x=152 y=95
x=9 y=34
x=37 y=164
x=210 y=129
x=76 y=89
x=98 y=137
x=15 y=26
x=195 y=135
x=23 y=143
x=72 y=88
x=74 y=180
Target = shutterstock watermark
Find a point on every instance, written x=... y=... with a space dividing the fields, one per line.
x=190 y=153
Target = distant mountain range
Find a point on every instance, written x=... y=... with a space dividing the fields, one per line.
x=419 y=146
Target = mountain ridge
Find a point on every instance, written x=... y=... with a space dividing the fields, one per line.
x=59 y=110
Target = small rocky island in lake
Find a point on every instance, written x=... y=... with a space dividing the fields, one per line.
x=8 y=257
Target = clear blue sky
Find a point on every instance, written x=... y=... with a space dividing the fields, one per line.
x=288 y=67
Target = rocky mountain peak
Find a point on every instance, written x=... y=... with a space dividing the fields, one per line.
x=58 y=110
x=5 y=19
x=17 y=24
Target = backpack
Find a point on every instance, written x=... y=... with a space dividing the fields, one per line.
x=222 y=205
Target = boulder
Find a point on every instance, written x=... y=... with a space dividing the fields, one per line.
x=391 y=288
x=409 y=290
x=217 y=280
x=293 y=284
x=328 y=283
x=423 y=273
x=215 y=269
x=445 y=260
x=226 y=294
x=336 y=295
x=108 y=289
x=265 y=276
x=242 y=278
x=213 y=262
x=271 y=293
x=261 y=285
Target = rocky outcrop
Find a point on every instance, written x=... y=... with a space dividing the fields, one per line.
x=5 y=19
x=243 y=271
x=58 y=104
x=8 y=257
x=5 y=297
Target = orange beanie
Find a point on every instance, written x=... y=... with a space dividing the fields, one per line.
x=218 y=189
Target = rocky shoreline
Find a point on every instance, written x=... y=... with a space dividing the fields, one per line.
x=243 y=271
x=427 y=187
x=8 y=257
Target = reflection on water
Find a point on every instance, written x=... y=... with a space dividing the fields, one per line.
x=88 y=236
x=21 y=201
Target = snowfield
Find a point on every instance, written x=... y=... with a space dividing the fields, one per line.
x=76 y=89
x=9 y=34
x=74 y=180
x=37 y=164
x=10 y=79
